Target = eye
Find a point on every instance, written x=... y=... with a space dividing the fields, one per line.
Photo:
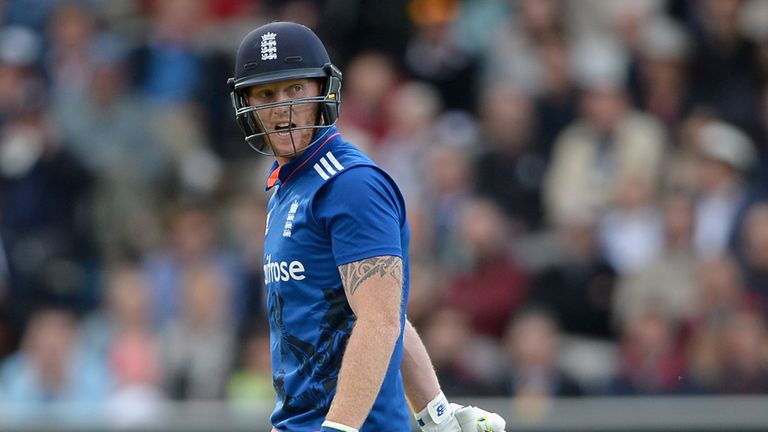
x=296 y=89
x=262 y=94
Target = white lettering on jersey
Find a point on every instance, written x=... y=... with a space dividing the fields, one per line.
x=288 y=227
x=282 y=271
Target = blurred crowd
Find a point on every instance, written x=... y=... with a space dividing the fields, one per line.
x=587 y=187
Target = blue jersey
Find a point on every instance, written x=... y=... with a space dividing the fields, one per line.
x=332 y=206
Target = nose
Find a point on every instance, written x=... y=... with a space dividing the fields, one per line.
x=282 y=97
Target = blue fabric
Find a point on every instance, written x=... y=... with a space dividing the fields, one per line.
x=362 y=213
x=332 y=206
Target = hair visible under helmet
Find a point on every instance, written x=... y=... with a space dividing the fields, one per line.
x=282 y=51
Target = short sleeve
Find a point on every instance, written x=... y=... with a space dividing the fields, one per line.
x=362 y=212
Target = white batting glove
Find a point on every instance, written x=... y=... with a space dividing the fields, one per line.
x=474 y=419
x=440 y=416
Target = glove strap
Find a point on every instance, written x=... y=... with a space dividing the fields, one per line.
x=437 y=411
x=329 y=426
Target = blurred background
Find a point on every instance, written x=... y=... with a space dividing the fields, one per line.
x=587 y=187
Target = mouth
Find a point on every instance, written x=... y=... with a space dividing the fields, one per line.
x=283 y=129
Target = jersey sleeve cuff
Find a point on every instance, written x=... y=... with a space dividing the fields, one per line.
x=346 y=259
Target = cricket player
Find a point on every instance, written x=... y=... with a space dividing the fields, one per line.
x=344 y=356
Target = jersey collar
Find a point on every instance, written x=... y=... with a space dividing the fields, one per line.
x=279 y=175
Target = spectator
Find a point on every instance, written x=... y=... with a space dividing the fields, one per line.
x=608 y=143
x=661 y=85
x=411 y=112
x=742 y=348
x=729 y=356
x=120 y=334
x=20 y=51
x=494 y=286
x=760 y=181
x=720 y=293
x=725 y=156
x=448 y=187
x=466 y=363
x=42 y=187
x=105 y=127
x=727 y=73
x=194 y=241
x=668 y=281
x=436 y=53
x=50 y=368
x=191 y=370
x=651 y=362
x=531 y=346
x=557 y=103
x=369 y=80
x=754 y=252
x=511 y=56
x=510 y=167
x=577 y=286
x=630 y=233
x=244 y=234
x=29 y=13
x=137 y=399
x=69 y=59
x=173 y=74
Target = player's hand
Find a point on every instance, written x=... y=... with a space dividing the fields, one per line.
x=440 y=416
x=437 y=416
x=474 y=419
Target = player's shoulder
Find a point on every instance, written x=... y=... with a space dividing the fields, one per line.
x=345 y=169
x=339 y=158
x=356 y=184
x=360 y=190
x=358 y=179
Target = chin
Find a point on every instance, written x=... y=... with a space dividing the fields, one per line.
x=287 y=149
x=284 y=146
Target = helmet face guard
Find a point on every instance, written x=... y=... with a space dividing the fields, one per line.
x=259 y=136
x=284 y=51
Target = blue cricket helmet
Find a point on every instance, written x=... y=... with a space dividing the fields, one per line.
x=282 y=51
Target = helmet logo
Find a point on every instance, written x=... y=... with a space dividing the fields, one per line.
x=269 y=46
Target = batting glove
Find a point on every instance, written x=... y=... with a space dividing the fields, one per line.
x=440 y=416
x=474 y=419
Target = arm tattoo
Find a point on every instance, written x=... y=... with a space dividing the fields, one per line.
x=354 y=274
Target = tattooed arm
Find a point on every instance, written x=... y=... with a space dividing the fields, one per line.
x=374 y=290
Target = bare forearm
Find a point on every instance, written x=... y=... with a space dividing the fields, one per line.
x=419 y=378
x=364 y=365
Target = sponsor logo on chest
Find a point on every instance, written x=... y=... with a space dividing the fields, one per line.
x=282 y=271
